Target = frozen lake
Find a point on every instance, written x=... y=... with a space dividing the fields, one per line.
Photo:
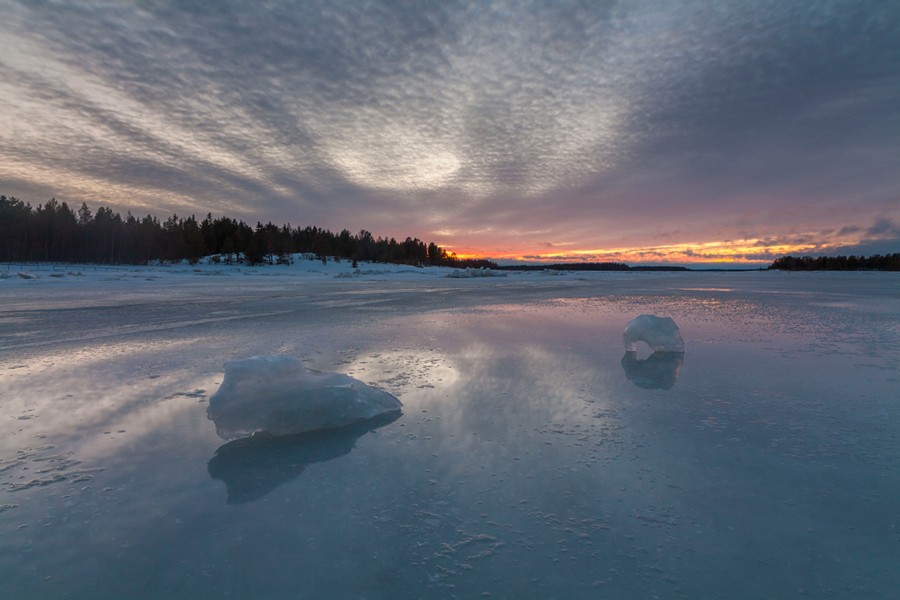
x=533 y=459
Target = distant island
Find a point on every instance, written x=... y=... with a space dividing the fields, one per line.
x=587 y=266
x=876 y=262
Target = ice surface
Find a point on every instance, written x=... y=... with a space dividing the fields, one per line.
x=526 y=464
x=278 y=395
x=660 y=333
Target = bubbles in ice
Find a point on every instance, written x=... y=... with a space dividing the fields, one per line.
x=278 y=395
x=660 y=333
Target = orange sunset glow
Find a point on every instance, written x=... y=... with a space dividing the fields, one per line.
x=745 y=252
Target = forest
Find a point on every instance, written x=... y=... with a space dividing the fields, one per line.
x=54 y=232
x=876 y=262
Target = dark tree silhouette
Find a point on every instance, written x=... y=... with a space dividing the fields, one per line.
x=876 y=262
x=53 y=232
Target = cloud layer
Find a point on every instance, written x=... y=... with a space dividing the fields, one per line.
x=574 y=129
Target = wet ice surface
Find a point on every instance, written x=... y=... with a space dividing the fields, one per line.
x=529 y=461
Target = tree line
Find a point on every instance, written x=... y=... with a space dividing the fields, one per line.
x=876 y=262
x=54 y=232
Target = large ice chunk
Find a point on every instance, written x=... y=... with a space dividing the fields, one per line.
x=660 y=333
x=278 y=395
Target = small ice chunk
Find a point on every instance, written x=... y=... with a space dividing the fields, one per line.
x=660 y=333
x=280 y=396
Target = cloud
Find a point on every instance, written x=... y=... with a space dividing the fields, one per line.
x=883 y=226
x=601 y=124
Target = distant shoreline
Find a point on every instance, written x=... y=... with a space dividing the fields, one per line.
x=615 y=267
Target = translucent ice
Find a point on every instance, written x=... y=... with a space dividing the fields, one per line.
x=278 y=395
x=660 y=333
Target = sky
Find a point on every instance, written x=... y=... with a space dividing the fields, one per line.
x=680 y=132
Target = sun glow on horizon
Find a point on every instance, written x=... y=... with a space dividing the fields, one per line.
x=751 y=251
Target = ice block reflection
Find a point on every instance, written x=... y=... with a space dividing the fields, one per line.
x=658 y=371
x=252 y=467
